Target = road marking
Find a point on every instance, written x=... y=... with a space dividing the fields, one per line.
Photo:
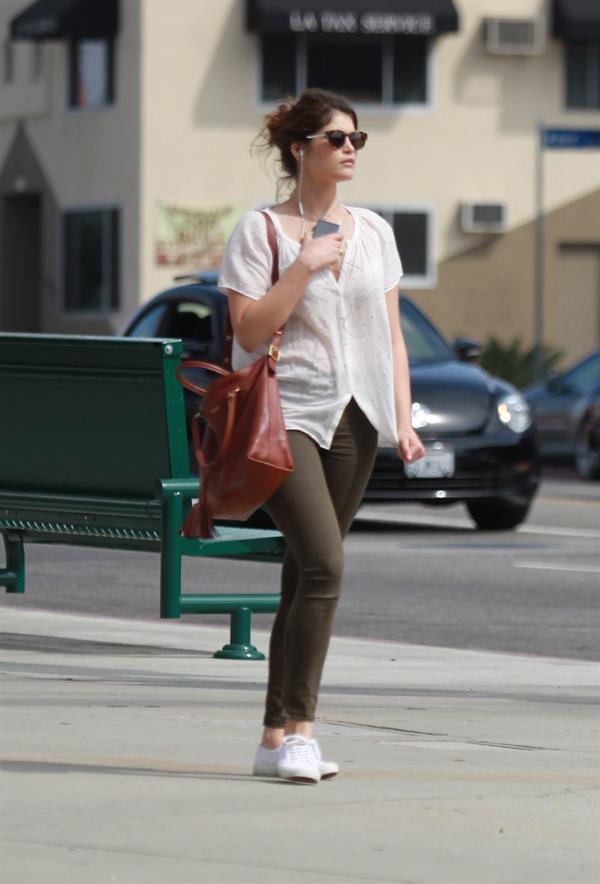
x=547 y=566
x=591 y=500
x=558 y=532
x=368 y=513
x=412 y=519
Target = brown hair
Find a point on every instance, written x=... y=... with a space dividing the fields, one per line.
x=294 y=119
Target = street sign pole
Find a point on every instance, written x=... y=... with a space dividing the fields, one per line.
x=538 y=256
x=549 y=139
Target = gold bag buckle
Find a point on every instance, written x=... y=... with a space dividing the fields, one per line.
x=273 y=352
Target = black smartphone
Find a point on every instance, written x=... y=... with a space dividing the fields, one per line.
x=323 y=228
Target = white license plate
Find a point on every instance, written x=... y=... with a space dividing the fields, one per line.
x=436 y=464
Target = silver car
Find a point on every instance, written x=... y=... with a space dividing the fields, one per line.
x=565 y=412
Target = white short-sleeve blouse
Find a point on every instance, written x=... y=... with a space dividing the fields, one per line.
x=337 y=342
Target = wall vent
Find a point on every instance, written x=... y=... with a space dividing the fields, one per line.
x=483 y=217
x=515 y=36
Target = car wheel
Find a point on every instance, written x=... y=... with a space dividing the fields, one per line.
x=587 y=449
x=498 y=513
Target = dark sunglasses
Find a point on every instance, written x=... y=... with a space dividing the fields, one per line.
x=337 y=138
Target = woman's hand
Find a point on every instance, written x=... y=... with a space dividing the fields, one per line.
x=410 y=447
x=324 y=251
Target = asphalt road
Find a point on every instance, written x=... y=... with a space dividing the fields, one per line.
x=413 y=574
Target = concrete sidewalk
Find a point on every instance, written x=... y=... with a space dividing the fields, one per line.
x=127 y=749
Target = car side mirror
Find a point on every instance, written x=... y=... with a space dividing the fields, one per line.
x=467 y=349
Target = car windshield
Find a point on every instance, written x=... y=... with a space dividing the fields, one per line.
x=423 y=342
x=586 y=375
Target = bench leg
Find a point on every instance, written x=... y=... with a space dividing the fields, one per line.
x=13 y=576
x=239 y=647
x=170 y=557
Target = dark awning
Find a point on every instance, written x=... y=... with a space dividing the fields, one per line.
x=414 y=17
x=65 y=19
x=577 y=19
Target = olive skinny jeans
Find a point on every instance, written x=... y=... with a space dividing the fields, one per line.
x=313 y=509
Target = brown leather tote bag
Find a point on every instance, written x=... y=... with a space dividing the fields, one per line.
x=243 y=455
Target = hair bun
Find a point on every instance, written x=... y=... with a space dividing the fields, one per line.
x=274 y=120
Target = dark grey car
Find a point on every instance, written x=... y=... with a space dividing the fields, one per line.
x=480 y=445
x=565 y=411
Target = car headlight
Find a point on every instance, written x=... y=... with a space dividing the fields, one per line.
x=421 y=416
x=514 y=412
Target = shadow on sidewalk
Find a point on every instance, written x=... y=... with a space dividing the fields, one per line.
x=37 y=766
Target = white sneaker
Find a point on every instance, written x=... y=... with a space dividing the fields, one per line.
x=265 y=762
x=297 y=760
x=327 y=769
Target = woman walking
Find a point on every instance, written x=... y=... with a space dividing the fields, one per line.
x=344 y=383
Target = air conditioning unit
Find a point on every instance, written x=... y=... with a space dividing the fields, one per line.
x=483 y=217
x=515 y=36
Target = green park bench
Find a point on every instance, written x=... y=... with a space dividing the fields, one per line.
x=94 y=452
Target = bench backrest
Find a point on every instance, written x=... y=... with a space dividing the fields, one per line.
x=90 y=415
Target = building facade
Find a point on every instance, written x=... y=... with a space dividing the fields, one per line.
x=126 y=133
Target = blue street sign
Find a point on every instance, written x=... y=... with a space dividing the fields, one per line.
x=570 y=139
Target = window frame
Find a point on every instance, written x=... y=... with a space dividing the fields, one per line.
x=68 y=313
x=411 y=281
x=37 y=61
x=385 y=107
x=110 y=84
x=9 y=62
x=589 y=44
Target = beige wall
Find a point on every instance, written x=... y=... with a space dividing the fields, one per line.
x=188 y=111
x=199 y=115
x=485 y=125
x=88 y=158
x=25 y=96
x=488 y=289
x=476 y=143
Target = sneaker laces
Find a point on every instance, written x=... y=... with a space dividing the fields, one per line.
x=299 y=749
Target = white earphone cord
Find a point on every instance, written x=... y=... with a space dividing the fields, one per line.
x=300 y=206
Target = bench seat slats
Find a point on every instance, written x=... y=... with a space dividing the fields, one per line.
x=70 y=529
x=239 y=542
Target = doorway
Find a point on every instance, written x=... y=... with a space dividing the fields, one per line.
x=574 y=304
x=20 y=273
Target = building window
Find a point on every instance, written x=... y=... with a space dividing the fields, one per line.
x=410 y=70
x=367 y=69
x=91 y=260
x=350 y=65
x=413 y=231
x=278 y=70
x=91 y=80
x=9 y=61
x=583 y=75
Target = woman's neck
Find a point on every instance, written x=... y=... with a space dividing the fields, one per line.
x=317 y=200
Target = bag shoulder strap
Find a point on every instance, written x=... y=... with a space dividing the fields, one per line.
x=276 y=340
x=272 y=240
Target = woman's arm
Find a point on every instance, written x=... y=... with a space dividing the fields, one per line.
x=255 y=322
x=410 y=447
